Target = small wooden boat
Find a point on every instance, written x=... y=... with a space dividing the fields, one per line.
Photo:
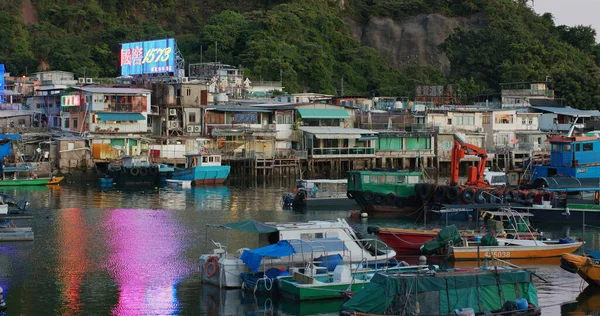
x=587 y=267
x=25 y=176
x=514 y=249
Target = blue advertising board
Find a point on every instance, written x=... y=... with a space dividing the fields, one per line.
x=2 y=83
x=150 y=57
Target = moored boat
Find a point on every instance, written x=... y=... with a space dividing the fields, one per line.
x=201 y=169
x=454 y=292
x=587 y=267
x=319 y=194
x=386 y=191
x=514 y=249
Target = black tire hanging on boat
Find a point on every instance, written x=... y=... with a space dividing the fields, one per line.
x=418 y=187
x=378 y=198
x=134 y=171
x=452 y=193
x=389 y=198
x=399 y=202
x=468 y=195
x=423 y=191
x=153 y=170
x=479 y=196
x=368 y=195
x=440 y=194
x=143 y=171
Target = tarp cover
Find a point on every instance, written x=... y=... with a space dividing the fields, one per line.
x=441 y=294
x=253 y=258
x=445 y=236
x=251 y=226
x=318 y=245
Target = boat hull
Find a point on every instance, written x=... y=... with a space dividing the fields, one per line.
x=513 y=252
x=408 y=207
x=28 y=182
x=583 y=266
x=202 y=175
x=327 y=204
x=405 y=241
x=307 y=292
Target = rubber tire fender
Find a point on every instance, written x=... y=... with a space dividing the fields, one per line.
x=379 y=198
x=135 y=171
x=452 y=193
x=468 y=195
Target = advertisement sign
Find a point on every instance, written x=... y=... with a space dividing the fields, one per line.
x=69 y=100
x=150 y=57
x=1 y=82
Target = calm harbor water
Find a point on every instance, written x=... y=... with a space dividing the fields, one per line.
x=136 y=253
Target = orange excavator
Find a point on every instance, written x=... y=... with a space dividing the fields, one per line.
x=475 y=175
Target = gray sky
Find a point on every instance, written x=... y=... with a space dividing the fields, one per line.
x=572 y=12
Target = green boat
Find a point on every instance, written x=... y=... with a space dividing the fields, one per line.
x=446 y=293
x=31 y=182
x=385 y=191
x=25 y=176
x=302 y=287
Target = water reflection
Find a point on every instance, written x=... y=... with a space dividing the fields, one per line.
x=588 y=303
x=209 y=198
x=145 y=248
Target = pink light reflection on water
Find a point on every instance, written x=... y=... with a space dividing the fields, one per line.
x=145 y=251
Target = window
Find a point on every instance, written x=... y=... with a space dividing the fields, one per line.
x=188 y=92
x=366 y=179
x=75 y=121
x=503 y=119
x=530 y=121
x=523 y=121
x=588 y=146
x=556 y=147
x=577 y=147
x=401 y=179
x=446 y=145
x=539 y=140
x=192 y=117
x=567 y=147
x=55 y=121
x=283 y=118
x=390 y=179
x=485 y=119
x=381 y=179
x=66 y=123
x=374 y=179
x=468 y=120
x=449 y=121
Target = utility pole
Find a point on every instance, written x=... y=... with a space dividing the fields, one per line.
x=342 y=86
x=216 y=53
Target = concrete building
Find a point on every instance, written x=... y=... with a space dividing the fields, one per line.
x=46 y=100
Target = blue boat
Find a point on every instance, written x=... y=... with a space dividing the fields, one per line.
x=202 y=169
x=571 y=156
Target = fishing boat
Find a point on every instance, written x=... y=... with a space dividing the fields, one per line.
x=131 y=170
x=201 y=169
x=454 y=292
x=514 y=249
x=25 y=176
x=223 y=268
x=319 y=194
x=587 y=267
x=386 y=190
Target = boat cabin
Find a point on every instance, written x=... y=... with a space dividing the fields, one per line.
x=575 y=156
x=197 y=160
x=324 y=188
x=384 y=181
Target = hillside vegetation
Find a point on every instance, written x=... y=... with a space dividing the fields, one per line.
x=306 y=42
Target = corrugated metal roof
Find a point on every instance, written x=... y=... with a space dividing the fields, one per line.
x=335 y=130
x=568 y=184
x=569 y=111
x=237 y=108
x=323 y=113
x=114 y=90
x=121 y=117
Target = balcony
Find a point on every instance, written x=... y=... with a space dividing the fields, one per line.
x=342 y=152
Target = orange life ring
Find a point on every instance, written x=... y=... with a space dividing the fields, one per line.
x=211 y=267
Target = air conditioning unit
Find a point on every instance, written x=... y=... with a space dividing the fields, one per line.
x=173 y=124
x=81 y=80
x=271 y=127
x=190 y=129
x=172 y=112
x=185 y=79
x=89 y=80
x=197 y=129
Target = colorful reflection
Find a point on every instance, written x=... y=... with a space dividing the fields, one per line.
x=73 y=259
x=210 y=198
x=145 y=260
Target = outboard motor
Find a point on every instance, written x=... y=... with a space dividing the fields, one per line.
x=287 y=200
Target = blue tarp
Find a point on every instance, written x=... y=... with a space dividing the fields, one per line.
x=253 y=258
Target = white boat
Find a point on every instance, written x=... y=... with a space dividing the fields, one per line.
x=320 y=194
x=224 y=269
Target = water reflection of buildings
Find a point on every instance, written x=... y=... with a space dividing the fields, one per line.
x=588 y=303
x=145 y=259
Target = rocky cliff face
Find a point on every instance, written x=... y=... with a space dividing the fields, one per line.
x=413 y=41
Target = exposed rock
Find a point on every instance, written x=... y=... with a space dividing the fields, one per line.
x=415 y=40
x=28 y=13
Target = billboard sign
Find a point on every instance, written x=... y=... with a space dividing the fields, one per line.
x=2 y=83
x=69 y=100
x=149 y=57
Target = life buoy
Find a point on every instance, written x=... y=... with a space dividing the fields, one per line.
x=378 y=198
x=368 y=195
x=467 y=195
x=389 y=198
x=399 y=202
x=143 y=171
x=211 y=266
x=134 y=171
x=479 y=196
x=452 y=193
x=349 y=195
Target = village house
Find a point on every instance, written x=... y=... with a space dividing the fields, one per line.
x=46 y=100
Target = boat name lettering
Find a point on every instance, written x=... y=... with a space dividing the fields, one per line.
x=498 y=254
x=581 y=170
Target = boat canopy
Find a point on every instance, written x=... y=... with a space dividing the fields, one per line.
x=253 y=257
x=568 y=184
x=340 y=181
x=444 y=292
x=250 y=226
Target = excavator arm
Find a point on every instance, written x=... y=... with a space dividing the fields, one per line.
x=459 y=150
